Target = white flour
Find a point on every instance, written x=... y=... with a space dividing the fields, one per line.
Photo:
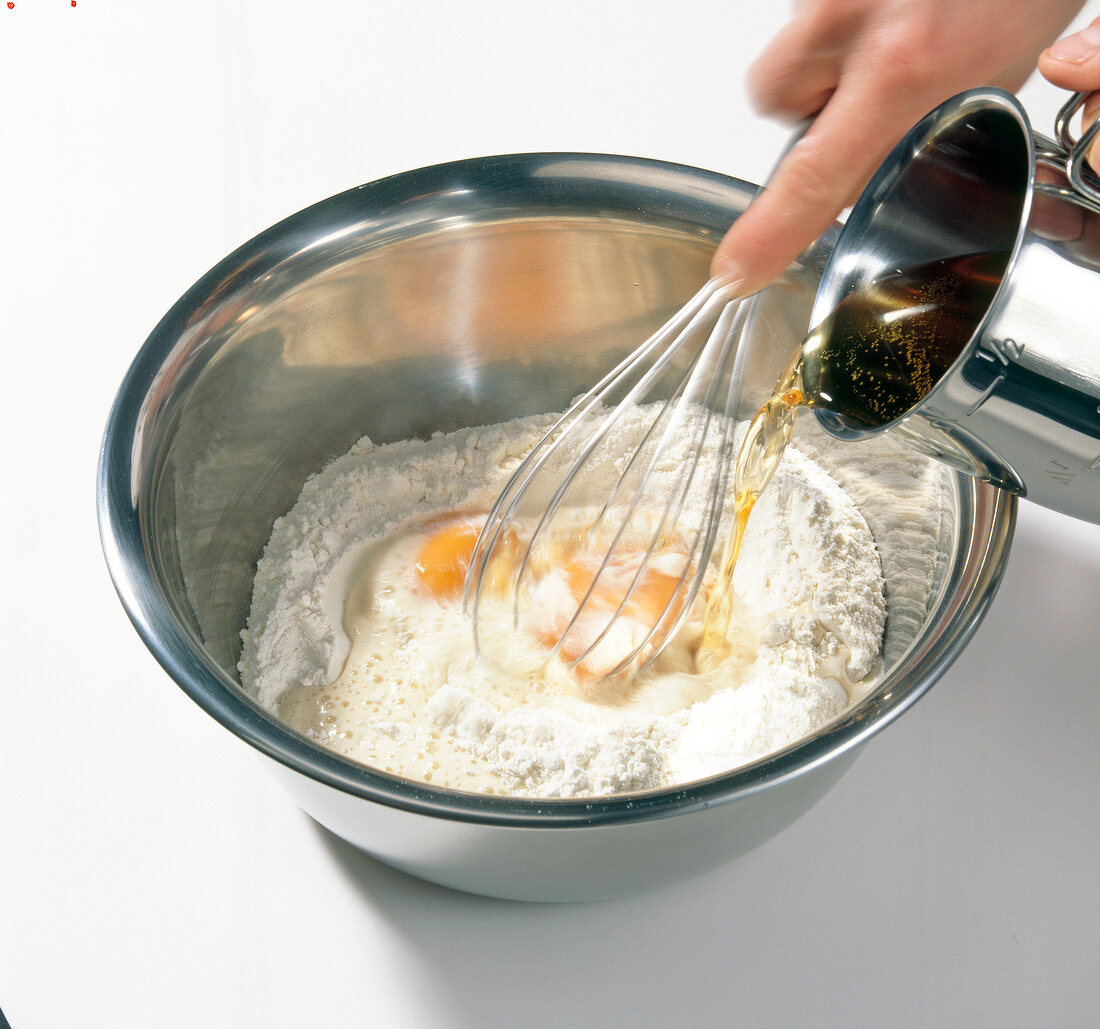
x=405 y=692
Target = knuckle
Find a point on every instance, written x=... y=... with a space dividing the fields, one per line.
x=811 y=184
x=908 y=57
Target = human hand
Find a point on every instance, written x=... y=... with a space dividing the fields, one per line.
x=1074 y=64
x=869 y=70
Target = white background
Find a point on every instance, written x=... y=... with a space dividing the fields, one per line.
x=150 y=872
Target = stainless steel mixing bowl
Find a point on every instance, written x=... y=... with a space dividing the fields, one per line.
x=453 y=296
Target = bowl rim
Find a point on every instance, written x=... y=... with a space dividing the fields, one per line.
x=182 y=656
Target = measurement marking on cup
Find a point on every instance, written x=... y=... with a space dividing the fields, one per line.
x=1003 y=350
x=1006 y=350
x=985 y=394
x=1060 y=473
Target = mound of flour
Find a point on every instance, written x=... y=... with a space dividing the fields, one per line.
x=418 y=702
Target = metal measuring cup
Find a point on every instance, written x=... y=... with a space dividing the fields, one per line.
x=1020 y=407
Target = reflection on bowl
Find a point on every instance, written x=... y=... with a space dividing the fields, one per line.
x=462 y=295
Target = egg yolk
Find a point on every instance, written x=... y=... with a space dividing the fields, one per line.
x=444 y=558
x=654 y=592
x=618 y=608
x=621 y=610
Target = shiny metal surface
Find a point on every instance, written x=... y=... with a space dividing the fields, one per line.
x=454 y=296
x=1070 y=156
x=1020 y=408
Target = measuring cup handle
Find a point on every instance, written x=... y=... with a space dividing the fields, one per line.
x=1083 y=178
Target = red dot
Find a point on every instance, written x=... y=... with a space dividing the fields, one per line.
x=11 y=6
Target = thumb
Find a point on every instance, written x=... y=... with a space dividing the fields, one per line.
x=1074 y=63
x=1089 y=113
x=1090 y=110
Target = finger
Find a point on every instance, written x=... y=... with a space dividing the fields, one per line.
x=1090 y=111
x=788 y=92
x=1074 y=61
x=823 y=173
x=797 y=72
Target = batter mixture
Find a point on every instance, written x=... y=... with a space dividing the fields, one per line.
x=357 y=637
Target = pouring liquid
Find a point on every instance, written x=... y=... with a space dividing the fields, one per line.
x=876 y=355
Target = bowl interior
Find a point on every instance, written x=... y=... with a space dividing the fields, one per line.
x=453 y=297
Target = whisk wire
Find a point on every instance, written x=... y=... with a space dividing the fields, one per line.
x=719 y=314
x=642 y=450
x=507 y=504
x=724 y=337
x=676 y=329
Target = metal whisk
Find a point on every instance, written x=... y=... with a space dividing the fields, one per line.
x=622 y=499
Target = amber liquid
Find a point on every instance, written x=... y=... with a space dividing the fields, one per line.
x=761 y=451
x=873 y=358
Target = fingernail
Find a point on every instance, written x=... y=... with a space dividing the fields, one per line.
x=1079 y=47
